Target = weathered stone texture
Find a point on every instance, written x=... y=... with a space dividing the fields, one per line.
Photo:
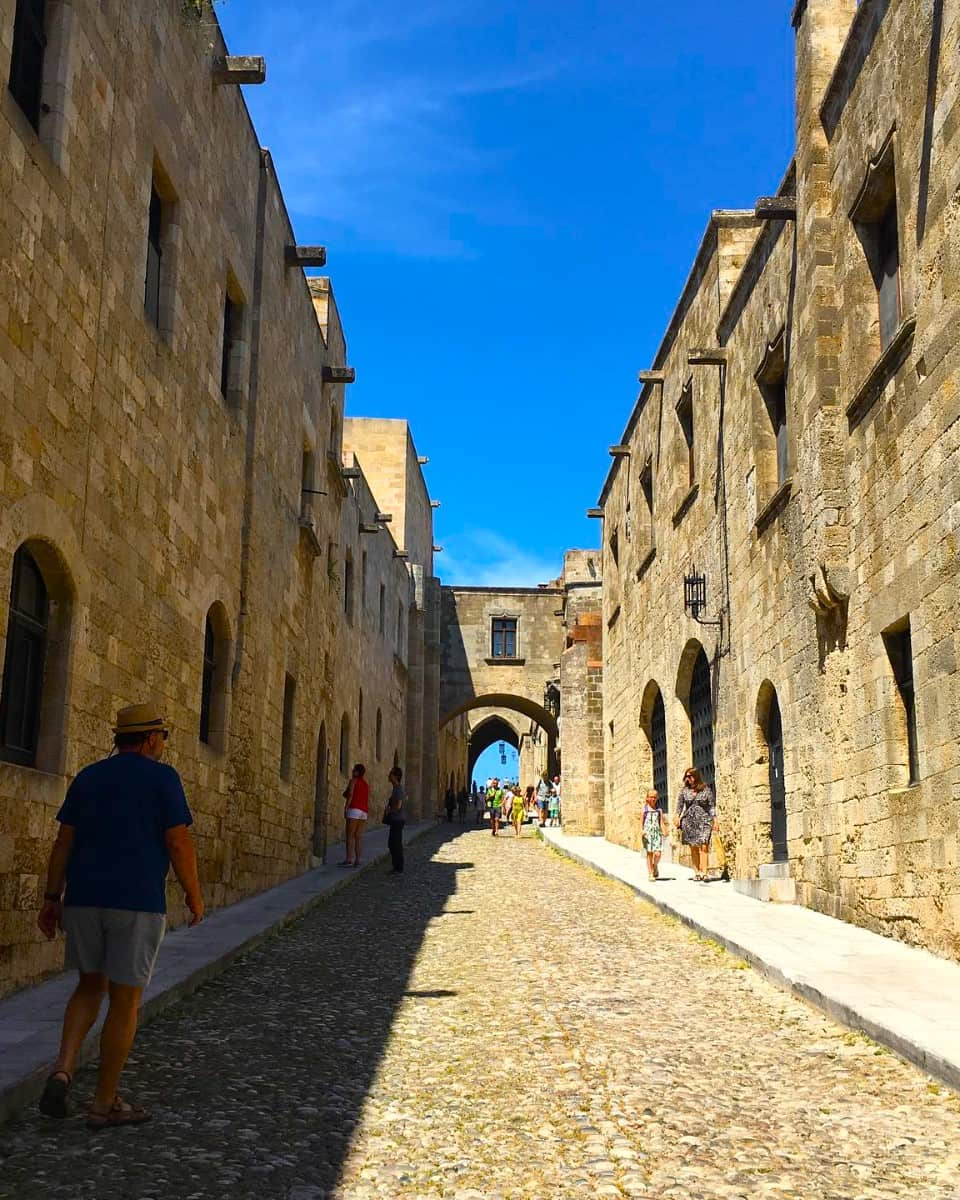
x=148 y=496
x=808 y=577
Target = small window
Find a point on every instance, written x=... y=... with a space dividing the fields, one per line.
x=874 y=215
x=286 y=737
x=383 y=609
x=400 y=629
x=360 y=719
x=26 y=62
x=614 y=543
x=771 y=377
x=646 y=486
x=900 y=652
x=214 y=687
x=378 y=736
x=23 y=669
x=334 y=431
x=348 y=588
x=344 y=758
x=231 y=350
x=888 y=274
x=504 y=637
x=151 y=300
x=206 y=688
x=308 y=483
x=363 y=582
x=685 y=417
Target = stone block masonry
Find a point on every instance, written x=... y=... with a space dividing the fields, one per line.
x=172 y=460
x=809 y=470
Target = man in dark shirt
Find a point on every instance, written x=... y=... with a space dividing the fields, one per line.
x=396 y=820
x=123 y=821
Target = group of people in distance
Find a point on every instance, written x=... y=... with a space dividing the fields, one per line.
x=505 y=800
x=694 y=822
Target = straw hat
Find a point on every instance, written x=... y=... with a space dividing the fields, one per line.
x=139 y=718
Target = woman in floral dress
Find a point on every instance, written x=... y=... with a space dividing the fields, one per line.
x=696 y=809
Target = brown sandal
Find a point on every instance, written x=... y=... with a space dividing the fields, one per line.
x=119 y=1113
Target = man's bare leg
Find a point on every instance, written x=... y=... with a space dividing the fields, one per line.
x=83 y=1008
x=119 y=1030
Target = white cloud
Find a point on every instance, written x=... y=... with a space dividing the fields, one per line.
x=483 y=558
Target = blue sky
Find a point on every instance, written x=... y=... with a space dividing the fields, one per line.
x=511 y=196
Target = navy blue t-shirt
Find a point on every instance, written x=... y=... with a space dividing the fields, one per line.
x=120 y=809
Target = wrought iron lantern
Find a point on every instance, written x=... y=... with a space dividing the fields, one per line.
x=694 y=594
x=695 y=598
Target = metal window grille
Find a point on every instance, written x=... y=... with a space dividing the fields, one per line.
x=22 y=694
x=26 y=62
x=658 y=739
x=778 y=792
x=701 y=719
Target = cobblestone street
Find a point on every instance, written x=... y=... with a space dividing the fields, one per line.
x=497 y=1023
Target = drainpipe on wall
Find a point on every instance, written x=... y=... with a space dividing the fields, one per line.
x=252 y=395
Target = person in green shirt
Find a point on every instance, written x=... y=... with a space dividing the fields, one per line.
x=495 y=805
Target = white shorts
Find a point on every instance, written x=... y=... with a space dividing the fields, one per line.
x=356 y=814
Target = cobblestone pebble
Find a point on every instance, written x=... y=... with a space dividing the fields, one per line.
x=497 y=1024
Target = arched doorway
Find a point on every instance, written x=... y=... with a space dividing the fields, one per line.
x=320 y=797
x=701 y=718
x=511 y=704
x=653 y=722
x=486 y=734
x=773 y=731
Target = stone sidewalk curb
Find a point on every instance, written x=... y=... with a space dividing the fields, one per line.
x=829 y=982
x=30 y=1020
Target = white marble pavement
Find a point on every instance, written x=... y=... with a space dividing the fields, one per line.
x=901 y=997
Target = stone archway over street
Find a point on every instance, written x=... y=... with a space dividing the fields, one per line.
x=500 y=651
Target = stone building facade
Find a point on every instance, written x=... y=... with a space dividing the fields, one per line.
x=179 y=515
x=795 y=447
x=524 y=666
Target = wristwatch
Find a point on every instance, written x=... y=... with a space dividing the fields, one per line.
x=54 y=896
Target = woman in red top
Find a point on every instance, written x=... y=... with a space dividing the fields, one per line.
x=355 y=811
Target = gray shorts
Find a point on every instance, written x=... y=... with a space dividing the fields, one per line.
x=115 y=942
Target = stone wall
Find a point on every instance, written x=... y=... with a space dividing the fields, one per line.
x=149 y=496
x=814 y=572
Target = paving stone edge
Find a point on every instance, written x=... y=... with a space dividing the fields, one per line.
x=27 y=1090
x=913 y=1052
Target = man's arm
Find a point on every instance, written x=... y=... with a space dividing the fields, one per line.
x=51 y=910
x=183 y=857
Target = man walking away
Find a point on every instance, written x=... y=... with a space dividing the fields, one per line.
x=449 y=803
x=462 y=805
x=396 y=820
x=123 y=822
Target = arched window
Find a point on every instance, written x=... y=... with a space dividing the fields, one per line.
x=344 y=745
x=379 y=735
x=206 y=687
x=21 y=700
x=215 y=676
